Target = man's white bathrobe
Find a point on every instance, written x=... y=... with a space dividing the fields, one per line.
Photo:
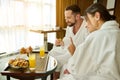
x=98 y=58
x=61 y=53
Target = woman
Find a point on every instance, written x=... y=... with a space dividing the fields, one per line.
x=98 y=58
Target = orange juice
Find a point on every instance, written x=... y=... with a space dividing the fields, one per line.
x=42 y=52
x=32 y=61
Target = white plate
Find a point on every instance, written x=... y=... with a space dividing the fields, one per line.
x=18 y=67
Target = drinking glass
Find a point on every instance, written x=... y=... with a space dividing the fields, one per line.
x=42 y=52
x=32 y=61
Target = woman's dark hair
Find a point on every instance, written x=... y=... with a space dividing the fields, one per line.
x=75 y=8
x=97 y=7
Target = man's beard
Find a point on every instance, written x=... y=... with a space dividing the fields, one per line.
x=72 y=24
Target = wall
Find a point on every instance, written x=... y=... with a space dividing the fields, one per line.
x=117 y=10
x=83 y=4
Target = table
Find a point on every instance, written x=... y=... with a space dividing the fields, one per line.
x=45 y=32
x=44 y=67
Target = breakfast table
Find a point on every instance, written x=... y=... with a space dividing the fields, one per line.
x=44 y=67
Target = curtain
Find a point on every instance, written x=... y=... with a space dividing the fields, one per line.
x=17 y=17
x=60 y=8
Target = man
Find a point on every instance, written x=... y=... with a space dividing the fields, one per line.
x=75 y=30
x=98 y=57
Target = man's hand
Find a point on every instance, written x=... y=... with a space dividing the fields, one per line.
x=71 y=47
x=59 y=42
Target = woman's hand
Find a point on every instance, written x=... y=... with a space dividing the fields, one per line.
x=66 y=71
x=71 y=47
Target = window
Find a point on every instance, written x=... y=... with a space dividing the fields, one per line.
x=18 y=16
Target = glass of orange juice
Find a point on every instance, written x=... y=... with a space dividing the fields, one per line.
x=42 y=52
x=32 y=61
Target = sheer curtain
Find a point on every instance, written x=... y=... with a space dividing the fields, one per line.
x=18 y=16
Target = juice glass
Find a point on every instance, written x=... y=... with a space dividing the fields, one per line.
x=32 y=61
x=42 y=52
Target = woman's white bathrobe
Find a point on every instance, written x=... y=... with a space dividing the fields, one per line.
x=98 y=58
x=61 y=53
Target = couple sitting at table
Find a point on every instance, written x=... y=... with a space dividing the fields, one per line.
x=96 y=57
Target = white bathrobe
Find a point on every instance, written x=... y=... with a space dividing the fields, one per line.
x=98 y=58
x=61 y=53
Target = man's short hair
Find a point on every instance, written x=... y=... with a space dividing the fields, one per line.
x=75 y=8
